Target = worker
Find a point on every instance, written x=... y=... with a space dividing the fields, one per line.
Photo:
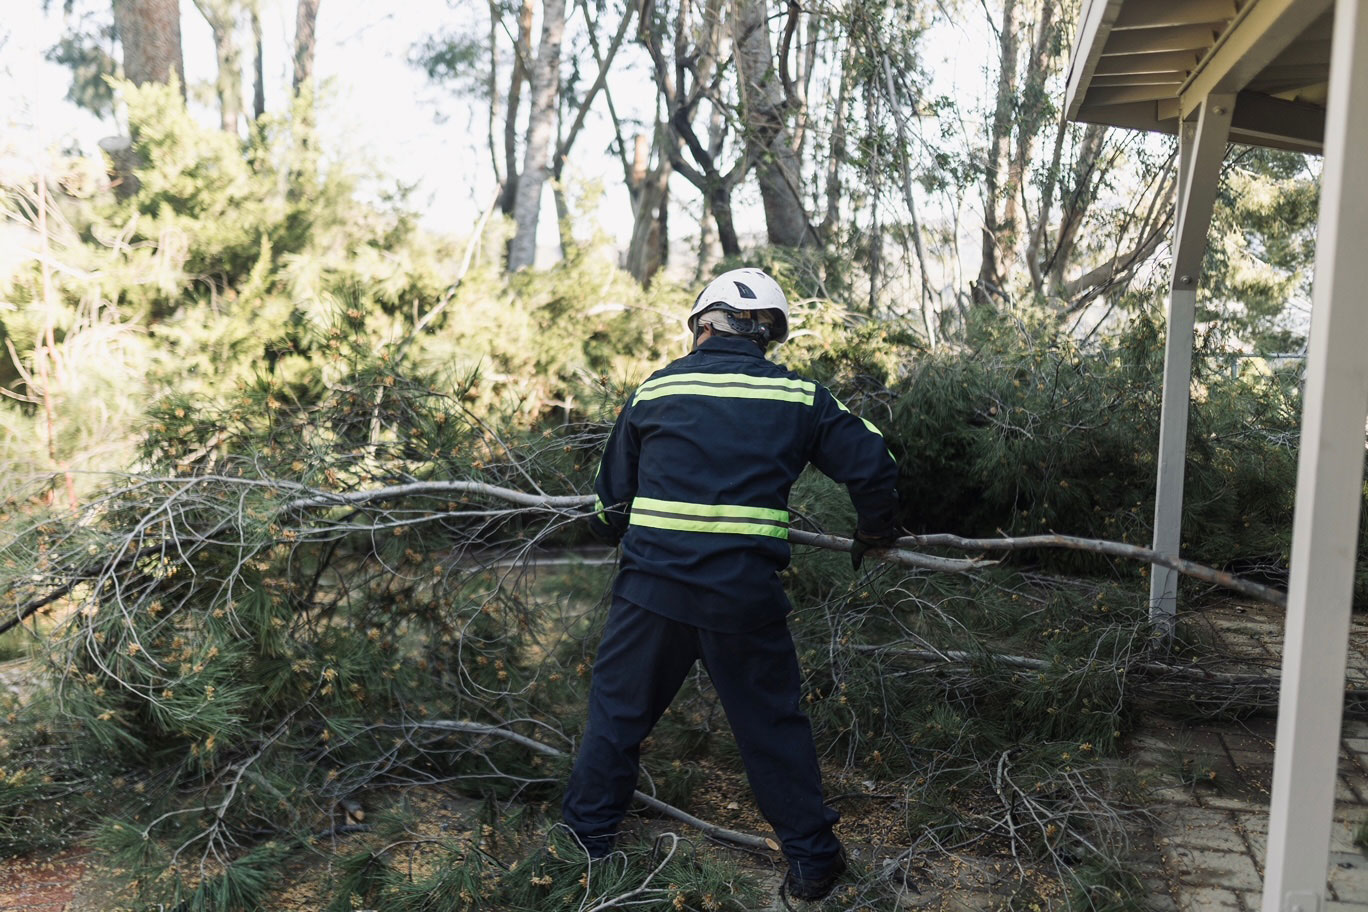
x=694 y=483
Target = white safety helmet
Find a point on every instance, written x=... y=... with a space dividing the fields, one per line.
x=739 y=293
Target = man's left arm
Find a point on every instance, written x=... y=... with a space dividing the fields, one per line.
x=851 y=451
x=615 y=483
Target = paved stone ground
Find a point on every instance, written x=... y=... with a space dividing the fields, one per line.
x=1210 y=786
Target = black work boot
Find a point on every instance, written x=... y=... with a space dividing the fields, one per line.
x=814 y=888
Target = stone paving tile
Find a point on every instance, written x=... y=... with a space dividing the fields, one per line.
x=1356 y=781
x=1214 y=836
x=1201 y=828
x=1258 y=762
x=1209 y=899
x=1201 y=867
x=1349 y=876
x=1157 y=895
x=1251 y=805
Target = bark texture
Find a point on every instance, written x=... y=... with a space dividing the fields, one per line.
x=258 y=65
x=763 y=112
x=996 y=163
x=150 y=33
x=222 y=18
x=305 y=43
x=541 y=126
x=522 y=56
x=648 y=249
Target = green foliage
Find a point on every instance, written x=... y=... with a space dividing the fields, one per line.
x=251 y=636
x=1261 y=254
x=1031 y=433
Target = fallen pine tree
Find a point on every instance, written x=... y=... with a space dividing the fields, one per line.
x=245 y=636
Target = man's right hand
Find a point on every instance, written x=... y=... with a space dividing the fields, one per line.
x=863 y=541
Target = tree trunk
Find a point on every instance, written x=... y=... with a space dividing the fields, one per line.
x=306 y=40
x=836 y=156
x=222 y=18
x=647 y=250
x=1074 y=204
x=522 y=55
x=150 y=33
x=707 y=243
x=1033 y=106
x=995 y=232
x=540 y=133
x=763 y=111
x=258 y=66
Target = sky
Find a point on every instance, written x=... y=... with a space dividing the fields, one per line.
x=377 y=108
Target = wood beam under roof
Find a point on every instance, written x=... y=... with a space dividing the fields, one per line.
x=1161 y=39
x=1261 y=31
x=1159 y=13
x=1259 y=120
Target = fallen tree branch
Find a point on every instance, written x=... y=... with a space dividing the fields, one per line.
x=320 y=498
x=892 y=555
x=1111 y=549
x=900 y=555
x=470 y=488
x=964 y=657
x=708 y=829
x=1211 y=689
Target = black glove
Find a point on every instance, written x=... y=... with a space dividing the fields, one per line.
x=862 y=541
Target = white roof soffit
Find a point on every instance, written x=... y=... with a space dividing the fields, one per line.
x=1146 y=64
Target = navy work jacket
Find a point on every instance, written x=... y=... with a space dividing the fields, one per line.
x=695 y=481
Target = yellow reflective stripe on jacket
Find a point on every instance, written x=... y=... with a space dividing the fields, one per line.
x=724 y=518
x=728 y=386
x=867 y=423
x=599 y=511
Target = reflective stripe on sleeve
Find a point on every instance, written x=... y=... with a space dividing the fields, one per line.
x=720 y=518
x=728 y=386
x=867 y=423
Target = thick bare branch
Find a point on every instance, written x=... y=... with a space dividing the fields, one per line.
x=711 y=830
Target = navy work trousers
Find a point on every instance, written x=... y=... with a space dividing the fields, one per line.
x=642 y=661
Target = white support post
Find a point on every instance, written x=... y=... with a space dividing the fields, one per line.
x=1329 y=480
x=1201 y=146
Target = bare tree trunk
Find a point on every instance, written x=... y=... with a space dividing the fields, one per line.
x=707 y=243
x=540 y=133
x=222 y=18
x=1042 y=227
x=258 y=65
x=995 y=165
x=1033 y=106
x=837 y=153
x=646 y=251
x=1075 y=203
x=896 y=105
x=875 y=266
x=567 y=240
x=305 y=43
x=764 y=108
x=522 y=58
x=150 y=33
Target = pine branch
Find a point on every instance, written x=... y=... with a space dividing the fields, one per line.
x=1214 y=689
x=900 y=555
x=1111 y=549
x=711 y=830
